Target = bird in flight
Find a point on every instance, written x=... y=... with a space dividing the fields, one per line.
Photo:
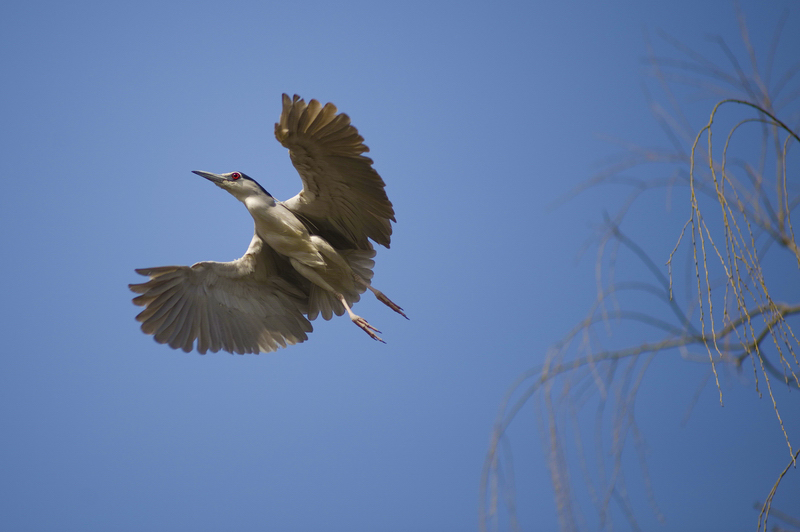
x=310 y=255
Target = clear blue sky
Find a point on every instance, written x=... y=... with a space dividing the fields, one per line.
x=478 y=115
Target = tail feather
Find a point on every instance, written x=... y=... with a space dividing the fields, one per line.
x=324 y=303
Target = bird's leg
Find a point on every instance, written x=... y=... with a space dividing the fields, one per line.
x=386 y=301
x=313 y=276
x=361 y=322
x=382 y=297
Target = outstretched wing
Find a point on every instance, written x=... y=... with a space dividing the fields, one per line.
x=241 y=307
x=343 y=196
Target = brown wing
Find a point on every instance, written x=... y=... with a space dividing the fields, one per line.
x=343 y=196
x=241 y=307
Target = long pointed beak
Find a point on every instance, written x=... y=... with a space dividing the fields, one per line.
x=214 y=178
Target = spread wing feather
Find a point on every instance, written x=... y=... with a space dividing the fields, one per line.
x=239 y=307
x=343 y=196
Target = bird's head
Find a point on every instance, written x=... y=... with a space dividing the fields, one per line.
x=241 y=185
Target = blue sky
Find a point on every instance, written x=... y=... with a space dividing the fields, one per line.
x=478 y=116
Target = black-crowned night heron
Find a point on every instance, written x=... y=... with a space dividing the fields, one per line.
x=310 y=255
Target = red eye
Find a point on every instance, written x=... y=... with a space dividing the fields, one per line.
x=235 y=176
